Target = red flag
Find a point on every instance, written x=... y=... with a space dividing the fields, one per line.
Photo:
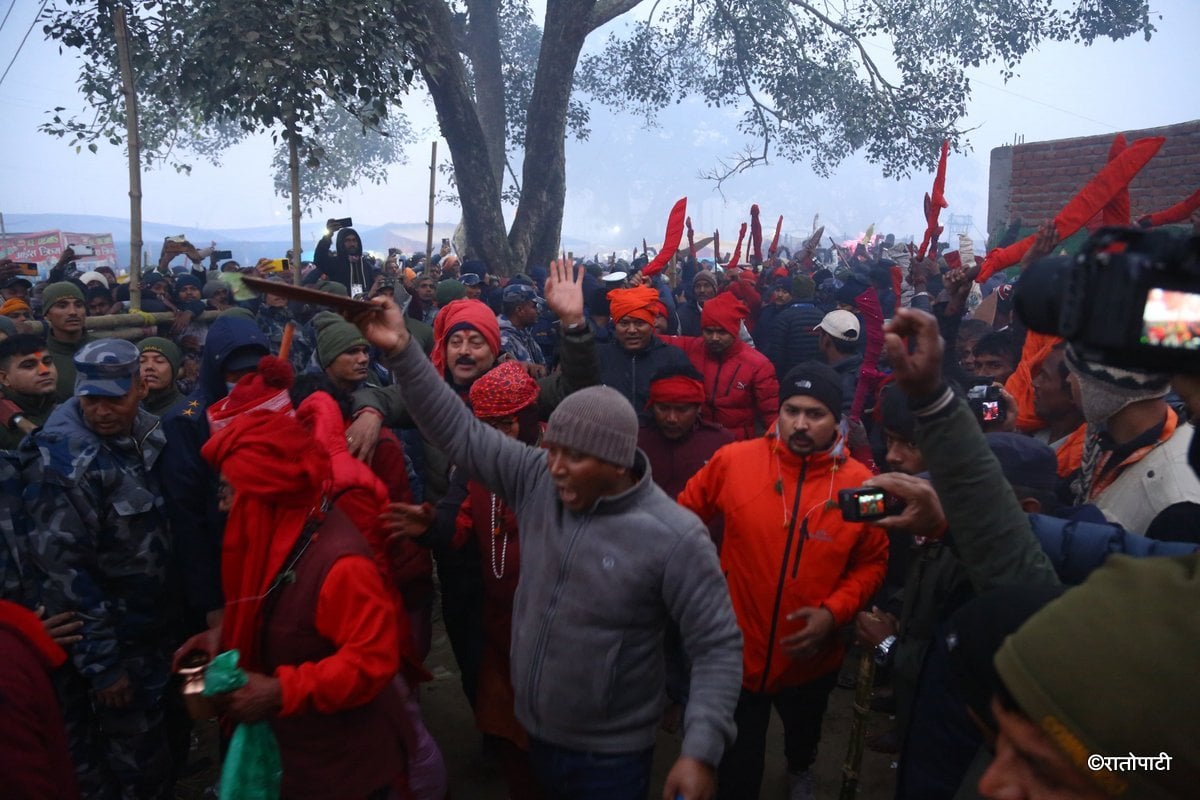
x=774 y=248
x=737 y=250
x=670 y=241
x=1094 y=195
x=691 y=238
x=1116 y=211
x=716 y=247
x=755 y=235
x=1179 y=212
x=936 y=202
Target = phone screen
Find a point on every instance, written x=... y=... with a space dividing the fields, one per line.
x=1171 y=319
x=870 y=504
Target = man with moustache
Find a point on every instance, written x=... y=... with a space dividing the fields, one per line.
x=797 y=571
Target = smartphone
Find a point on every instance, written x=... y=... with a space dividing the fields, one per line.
x=344 y=222
x=866 y=504
x=278 y=265
x=222 y=255
x=987 y=403
x=27 y=268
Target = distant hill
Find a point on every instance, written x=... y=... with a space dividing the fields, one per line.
x=247 y=244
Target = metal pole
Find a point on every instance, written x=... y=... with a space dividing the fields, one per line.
x=432 y=191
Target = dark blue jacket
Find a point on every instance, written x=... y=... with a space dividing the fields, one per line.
x=1075 y=548
x=630 y=373
x=189 y=483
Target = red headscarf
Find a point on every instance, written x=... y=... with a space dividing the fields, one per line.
x=725 y=311
x=280 y=475
x=503 y=391
x=471 y=313
x=640 y=302
x=676 y=389
x=263 y=390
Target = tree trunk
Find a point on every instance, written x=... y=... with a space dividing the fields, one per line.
x=445 y=77
x=487 y=69
x=135 y=160
x=537 y=225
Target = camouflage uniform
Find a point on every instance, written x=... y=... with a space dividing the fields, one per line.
x=520 y=343
x=100 y=537
x=273 y=321
x=17 y=584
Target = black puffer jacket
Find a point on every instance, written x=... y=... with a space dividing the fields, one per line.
x=630 y=373
x=792 y=340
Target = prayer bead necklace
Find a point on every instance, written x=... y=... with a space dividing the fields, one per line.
x=498 y=573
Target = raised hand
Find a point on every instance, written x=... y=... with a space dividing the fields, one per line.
x=914 y=349
x=564 y=292
x=384 y=326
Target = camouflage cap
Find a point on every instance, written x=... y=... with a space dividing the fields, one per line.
x=105 y=368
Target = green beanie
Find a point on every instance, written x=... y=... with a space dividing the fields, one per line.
x=1108 y=670
x=59 y=291
x=334 y=337
x=157 y=344
x=331 y=287
x=803 y=287
x=448 y=291
x=239 y=312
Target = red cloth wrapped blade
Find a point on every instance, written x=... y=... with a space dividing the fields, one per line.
x=774 y=248
x=1180 y=212
x=1116 y=211
x=936 y=202
x=1095 y=194
x=755 y=236
x=671 y=240
x=737 y=249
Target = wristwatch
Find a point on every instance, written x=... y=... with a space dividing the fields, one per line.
x=578 y=327
x=883 y=650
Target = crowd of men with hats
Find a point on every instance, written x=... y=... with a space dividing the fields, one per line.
x=624 y=491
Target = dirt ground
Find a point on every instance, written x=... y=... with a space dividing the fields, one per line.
x=474 y=777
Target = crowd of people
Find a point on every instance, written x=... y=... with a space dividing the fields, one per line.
x=624 y=486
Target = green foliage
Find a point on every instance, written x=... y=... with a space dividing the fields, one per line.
x=209 y=72
x=343 y=153
x=816 y=82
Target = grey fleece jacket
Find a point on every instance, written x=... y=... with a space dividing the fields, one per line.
x=596 y=592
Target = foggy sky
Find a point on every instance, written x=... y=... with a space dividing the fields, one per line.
x=622 y=182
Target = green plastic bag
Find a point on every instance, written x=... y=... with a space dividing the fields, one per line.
x=252 y=769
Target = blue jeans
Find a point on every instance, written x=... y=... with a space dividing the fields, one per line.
x=566 y=774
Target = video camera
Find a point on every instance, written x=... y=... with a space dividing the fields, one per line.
x=1131 y=298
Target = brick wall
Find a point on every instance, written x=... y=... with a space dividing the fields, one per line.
x=1034 y=181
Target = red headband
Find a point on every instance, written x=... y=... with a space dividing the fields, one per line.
x=676 y=389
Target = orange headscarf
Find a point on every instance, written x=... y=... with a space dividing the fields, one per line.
x=471 y=313
x=640 y=302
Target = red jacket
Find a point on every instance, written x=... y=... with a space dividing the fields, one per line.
x=777 y=561
x=739 y=388
x=33 y=742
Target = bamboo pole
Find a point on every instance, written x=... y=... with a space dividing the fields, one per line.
x=858 y=729
x=140 y=320
x=294 y=179
x=135 y=158
x=432 y=194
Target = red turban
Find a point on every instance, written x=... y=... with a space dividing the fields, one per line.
x=469 y=313
x=725 y=311
x=503 y=391
x=279 y=473
x=263 y=390
x=676 y=389
x=640 y=302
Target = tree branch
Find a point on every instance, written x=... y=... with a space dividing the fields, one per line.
x=606 y=11
x=872 y=69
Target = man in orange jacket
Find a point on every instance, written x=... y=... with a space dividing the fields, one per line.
x=797 y=571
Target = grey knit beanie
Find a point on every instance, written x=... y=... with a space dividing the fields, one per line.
x=597 y=421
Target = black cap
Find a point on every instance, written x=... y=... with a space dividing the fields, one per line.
x=816 y=380
x=1025 y=461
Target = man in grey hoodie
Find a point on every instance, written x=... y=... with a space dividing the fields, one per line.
x=607 y=562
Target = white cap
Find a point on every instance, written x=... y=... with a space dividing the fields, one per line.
x=88 y=277
x=840 y=325
x=615 y=277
